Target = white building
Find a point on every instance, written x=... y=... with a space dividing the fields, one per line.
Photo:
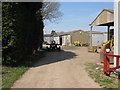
x=66 y=40
x=49 y=38
x=56 y=39
x=99 y=38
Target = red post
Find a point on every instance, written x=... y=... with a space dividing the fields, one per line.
x=106 y=63
x=104 y=60
x=107 y=68
x=117 y=61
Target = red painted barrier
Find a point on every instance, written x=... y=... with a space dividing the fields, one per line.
x=107 y=68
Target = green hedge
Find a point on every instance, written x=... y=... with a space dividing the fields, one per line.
x=22 y=31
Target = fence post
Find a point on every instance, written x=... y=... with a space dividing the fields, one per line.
x=118 y=81
x=106 y=63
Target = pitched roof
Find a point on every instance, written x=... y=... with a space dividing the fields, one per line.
x=109 y=10
x=104 y=18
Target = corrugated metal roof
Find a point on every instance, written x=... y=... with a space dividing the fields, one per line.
x=76 y=31
x=68 y=33
x=105 y=18
x=96 y=32
x=63 y=33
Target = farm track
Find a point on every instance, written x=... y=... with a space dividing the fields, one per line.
x=63 y=69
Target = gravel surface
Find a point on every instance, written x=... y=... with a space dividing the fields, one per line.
x=63 y=69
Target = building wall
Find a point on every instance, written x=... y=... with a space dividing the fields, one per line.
x=104 y=17
x=57 y=40
x=81 y=36
x=66 y=40
x=105 y=37
x=98 y=39
x=75 y=36
x=47 y=39
x=86 y=37
x=69 y=39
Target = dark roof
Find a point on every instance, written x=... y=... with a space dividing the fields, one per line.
x=50 y=35
x=47 y=35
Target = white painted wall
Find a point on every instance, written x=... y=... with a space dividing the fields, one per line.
x=105 y=37
x=63 y=40
x=116 y=28
x=66 y=40
x=57 y=40
x=47 y=39
x=97 y=39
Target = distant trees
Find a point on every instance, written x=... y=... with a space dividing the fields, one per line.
x=50 y=11
x=53 y=32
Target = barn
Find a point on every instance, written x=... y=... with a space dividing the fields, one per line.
x=68 y=38
x=79 y=35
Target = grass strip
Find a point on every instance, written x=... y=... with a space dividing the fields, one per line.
x=11 y=74
x=95 y=71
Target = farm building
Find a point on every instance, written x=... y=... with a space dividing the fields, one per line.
x=109 y=18
x=68 y=38
x=105 y=18
x=79 y=35
x=99 y=38
x=48 y=38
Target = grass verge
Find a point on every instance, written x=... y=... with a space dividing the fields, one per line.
x=11 y=74
x=95 y=71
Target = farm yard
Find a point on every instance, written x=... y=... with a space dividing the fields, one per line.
x=64 y=69
x=39 y=52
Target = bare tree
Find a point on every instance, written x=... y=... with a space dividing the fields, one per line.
x=50 y=11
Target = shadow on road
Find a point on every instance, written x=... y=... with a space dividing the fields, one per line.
x=52 y=57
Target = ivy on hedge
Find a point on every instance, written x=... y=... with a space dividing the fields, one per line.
x=22 y=31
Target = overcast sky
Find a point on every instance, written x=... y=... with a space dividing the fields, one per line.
x=78 y=16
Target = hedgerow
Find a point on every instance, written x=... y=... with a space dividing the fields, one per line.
x=22 y=31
